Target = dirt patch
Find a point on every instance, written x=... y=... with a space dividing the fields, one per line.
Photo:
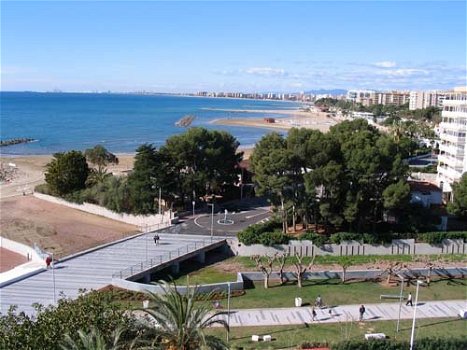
x=9 y=259
x=56 y=228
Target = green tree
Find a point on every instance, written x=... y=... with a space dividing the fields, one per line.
x=271 y=163
x=141 y=187
x=48 y=329
x=181 y=320
x=95 y=340
x=458 y=206
x=100 y=157
x=201 y=161
x=67 y=172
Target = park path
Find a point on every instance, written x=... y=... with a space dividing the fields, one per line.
x=343 y=313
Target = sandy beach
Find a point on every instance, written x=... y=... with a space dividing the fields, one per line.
x=283 y=120
x=26 y=172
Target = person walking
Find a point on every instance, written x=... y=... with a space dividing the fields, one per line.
x=313 y=314
x=156 y=239
x=409 y=300
x=319 y=301
x=362 y=312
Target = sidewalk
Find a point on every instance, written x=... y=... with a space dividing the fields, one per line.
x=343 y=313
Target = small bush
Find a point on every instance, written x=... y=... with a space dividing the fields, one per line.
x=318 y=240
x=44 y=189
x=259 y=233
x=422 y=344
x=338 y=237
x=437 y=237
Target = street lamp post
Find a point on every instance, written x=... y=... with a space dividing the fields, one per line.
x=228 y=312
x=53 y=277
x=400 y=304
x=193 y=203
x=412 y=336
x=212 y=219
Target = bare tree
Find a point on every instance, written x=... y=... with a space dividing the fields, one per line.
x=281 y=259
x=265 y=266
x=345 y=262
x=390 y=268
x=301 y=269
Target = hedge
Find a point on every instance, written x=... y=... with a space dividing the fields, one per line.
x=421 y=344
x=267 y=234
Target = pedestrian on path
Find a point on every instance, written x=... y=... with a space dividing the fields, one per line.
x=48 y=260
x=362 y=312
x=156 y=239
x=409 y=300
x=313 y=314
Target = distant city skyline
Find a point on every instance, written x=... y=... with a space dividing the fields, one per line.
x=185 y=47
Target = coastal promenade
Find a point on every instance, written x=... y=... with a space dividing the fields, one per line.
x=343 y=313
x=94 y=269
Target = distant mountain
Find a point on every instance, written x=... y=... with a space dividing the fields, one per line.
x=328 y=92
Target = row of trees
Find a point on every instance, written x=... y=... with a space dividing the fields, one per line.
x=350 y=177
x=195 y=164
x=96 y=322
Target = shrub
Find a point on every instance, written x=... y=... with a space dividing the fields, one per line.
x=275 y=237
x=437 y=237
x=43 y=188
x=252 y=234
x=422 y=344
x=318 y=240
x=338 y=237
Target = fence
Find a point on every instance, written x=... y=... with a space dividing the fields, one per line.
x=21 y=249
x=349 y=248
x=156 y=220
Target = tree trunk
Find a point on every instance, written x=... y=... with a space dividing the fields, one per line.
x=284 y=225
x=299 y=280
x=344 y=271
x=266 y=281
x=293 y=219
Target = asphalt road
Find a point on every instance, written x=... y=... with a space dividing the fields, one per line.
x=222 y=224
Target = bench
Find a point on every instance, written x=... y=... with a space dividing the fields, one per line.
x=375 y=336
x=391 y=296
x=255 y=338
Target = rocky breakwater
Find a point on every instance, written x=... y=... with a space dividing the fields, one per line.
x=16 y=141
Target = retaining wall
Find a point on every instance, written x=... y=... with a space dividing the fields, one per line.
x=21 y=249
x=349 y=248
x=145 y=222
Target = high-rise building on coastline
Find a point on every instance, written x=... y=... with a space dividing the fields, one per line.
x=452 y=159
x=371 y=97
x=425 y=99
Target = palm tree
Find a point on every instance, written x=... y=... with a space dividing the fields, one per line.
x=178 y=321
x=95 y=340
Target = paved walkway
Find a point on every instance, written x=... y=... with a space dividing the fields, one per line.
x=94 y=269
x=344 y=313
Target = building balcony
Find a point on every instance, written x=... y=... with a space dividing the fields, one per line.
x=454 y=150
x=453 y=162
x=456 y=140
x=449 y=173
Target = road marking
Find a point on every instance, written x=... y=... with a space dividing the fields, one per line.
x=255 y=215
x=196 y=221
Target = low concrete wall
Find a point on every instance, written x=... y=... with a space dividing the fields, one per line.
x=204 y=288
x=21 y=249
x=243 y=277
x=145 y=222
x=349 y=248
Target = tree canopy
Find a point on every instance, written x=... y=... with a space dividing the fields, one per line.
x=67 y=172
x=100 y=157
x=347 y=178
x=458 y=206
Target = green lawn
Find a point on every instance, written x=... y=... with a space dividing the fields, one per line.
x=206 y=275
x=334 y=292
x=292 y=336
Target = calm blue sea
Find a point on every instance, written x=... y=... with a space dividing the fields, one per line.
x=65 y=121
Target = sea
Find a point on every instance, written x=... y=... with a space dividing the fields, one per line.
x=61 y=122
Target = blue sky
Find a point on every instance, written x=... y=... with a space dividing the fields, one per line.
x=232 y=46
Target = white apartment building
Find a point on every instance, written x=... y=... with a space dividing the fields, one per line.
x=425 y=99
x=452 y=159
